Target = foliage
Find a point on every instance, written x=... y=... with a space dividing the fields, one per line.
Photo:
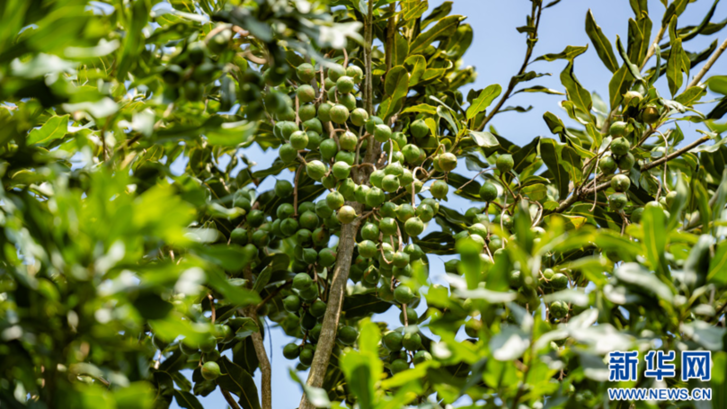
x=118 y=272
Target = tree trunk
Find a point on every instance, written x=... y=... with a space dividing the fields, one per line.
x=346 y=243
x=262 y=356
x=327 y=339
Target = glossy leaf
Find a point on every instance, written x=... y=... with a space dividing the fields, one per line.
x=601 y=43
x=483 y=100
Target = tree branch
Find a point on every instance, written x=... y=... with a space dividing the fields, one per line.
x=564 y=205
x=709 y=64
x=262 y=357
x=532 y=39
x=676 y=153
x=230 y=400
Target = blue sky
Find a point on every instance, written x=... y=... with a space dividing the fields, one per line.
x=497 y=53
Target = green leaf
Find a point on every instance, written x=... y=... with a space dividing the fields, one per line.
x=655 y=236
x=437 y=14
x=657 y=70
x=418 y=67
x=483 y=100
x=539 y=88
x=601 y=43
x=363 y=368
x=444 y=112
x=619 y=84
x=187 y=400
x=421 y=108
x=680 y=201
x=640 y=7
x=525 y=156
x=151 y=306
x=633 y=273
x=675 y=64
x=397 y=83
x=701 y=198
x=484 y=139
x=238 y=381
x=316 y=396
x=356 y=306
x=509 y=344
x=137 y=395
x=133 y=38
x=576 y=93
x=633 y=69
x=444 y=28
x=709 y=336
x=235 y=295
x=400 y=49
x=413 y=9
x=569 y=53
x=674 y=67
x=460 y=42
x=718 y=265
x=719 y=111
x=469 y=266
x=638 y=40
x=99 y=109
x=719 y=379
x=232 y=258
x=55 y=128
x=231 y=133
x=717 y=83
x=527 y=76
x=555 y=124
x=550 y=158
x=676 y=8
x=691 y=95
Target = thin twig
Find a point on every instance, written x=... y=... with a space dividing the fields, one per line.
x=212 y=307
x=537 y=9
x=272 y=294
x=295 y=190
x=663 y=179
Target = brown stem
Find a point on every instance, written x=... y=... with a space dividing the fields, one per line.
x=272 y=294
x=676 y=153
x=337 y=291
x=229 y=399
x=262 y=357
x=709 y=64
x=652 y=47
x=663 y=178
x=575 y=197
x=347 y=241
x=532 y=39
x=212 y=307
x=295 y=190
